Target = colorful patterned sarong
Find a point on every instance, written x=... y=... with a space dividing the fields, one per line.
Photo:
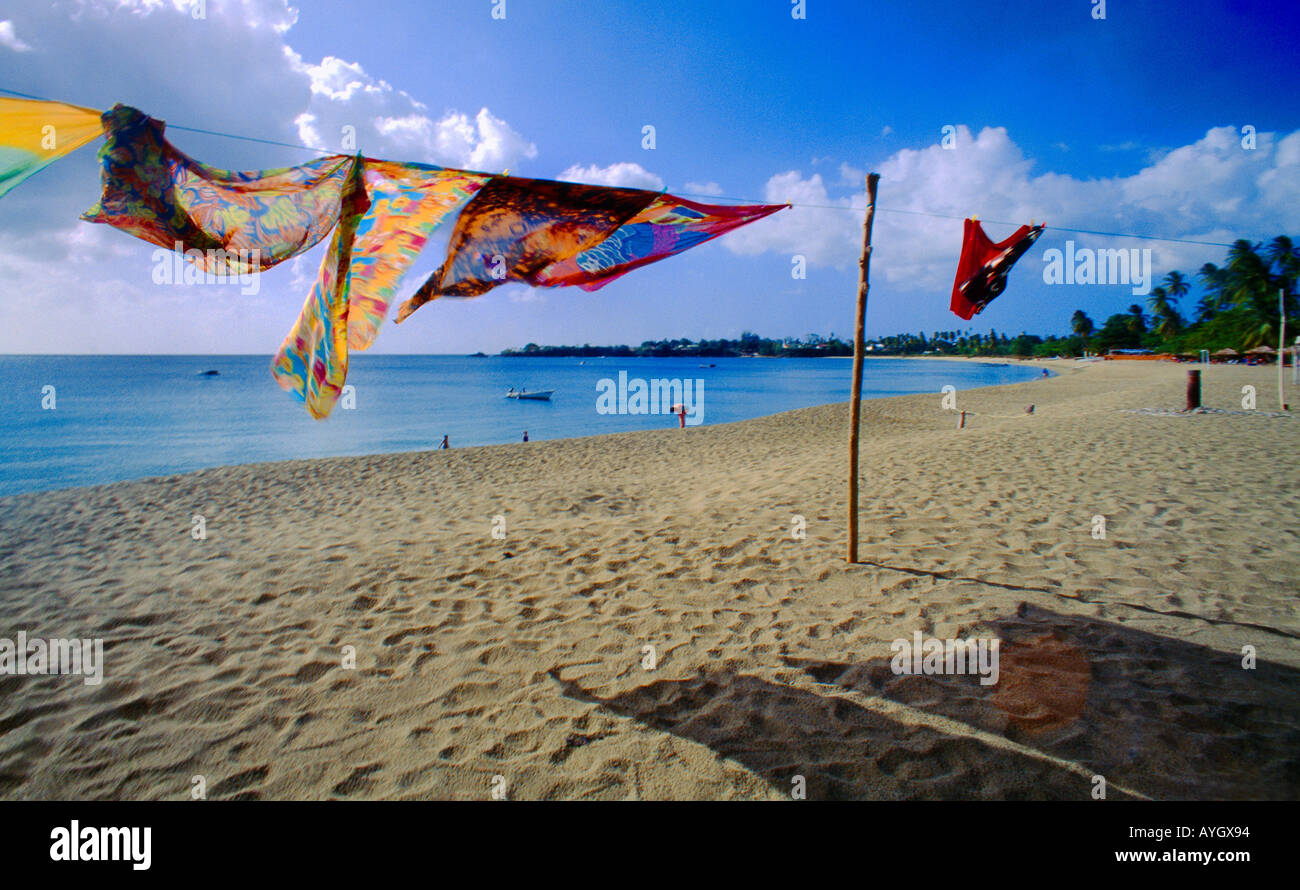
x=514 y=228
x=407 y=202
x=668 y=226
x=390 y=210
x=240 y=222
x=34 y=133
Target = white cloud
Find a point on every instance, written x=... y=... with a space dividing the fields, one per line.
x=497 y=145
x=886 y=130
x=624 y=174
x=823 y=233
x=51 y=299
x=518 y=293
x=97 y=292
x=704 y=188
x=9 y=38
x=483 y=142
x=336 y=79
x=1211 y=190
x=307 y=133
x=387 y=121
x=245 y=46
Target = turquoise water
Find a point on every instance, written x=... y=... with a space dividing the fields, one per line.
x=126 y=417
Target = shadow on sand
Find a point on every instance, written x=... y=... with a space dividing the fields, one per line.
x=1168 y=719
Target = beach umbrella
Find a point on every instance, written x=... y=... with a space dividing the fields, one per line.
x=1263 y=352
x=1227 y=353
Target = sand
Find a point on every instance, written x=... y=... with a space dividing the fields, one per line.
x=521 y=664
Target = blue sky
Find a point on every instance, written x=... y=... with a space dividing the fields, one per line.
x=1127 y=124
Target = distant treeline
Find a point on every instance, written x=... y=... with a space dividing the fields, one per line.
x=748 y=344
x=1236 y=307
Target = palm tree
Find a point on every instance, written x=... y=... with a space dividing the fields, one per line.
x=1081 y=324
x=1238 y=305
x=1168 y=321
x=1284 y=259
x=1137 y=321
x=1215 y=282
x=1252 y=291
x=1176 y=287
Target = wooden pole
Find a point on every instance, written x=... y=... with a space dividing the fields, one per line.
x=855 y=398
x=1281 y=348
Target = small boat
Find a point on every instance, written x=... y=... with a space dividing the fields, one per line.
x=209 y=374
x=541 y=395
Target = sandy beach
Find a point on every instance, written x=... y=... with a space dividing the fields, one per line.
x=525 y=658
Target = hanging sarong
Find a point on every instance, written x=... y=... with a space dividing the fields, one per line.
x=514 y=228
x=407 y=202
x=983 y=267
x=34 y=133
x=226 y=222
x=313 y=360
x=668 y=226
x=389 y=211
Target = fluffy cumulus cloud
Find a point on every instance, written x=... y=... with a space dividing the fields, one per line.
x=74 y=50
x=624 y=174
x=350 y=110
x=484 y=142
x=850 y=175
x=1211 y=190
x=817 y=227
x=9 y=38
x=178 y=54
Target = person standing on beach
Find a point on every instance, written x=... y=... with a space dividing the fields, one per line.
x=444 y=444
x=525 y=435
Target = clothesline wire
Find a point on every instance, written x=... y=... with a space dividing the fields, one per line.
x=248 y=138
x=951 y=216
x=925 y=213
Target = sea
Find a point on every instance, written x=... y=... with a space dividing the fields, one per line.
x=78 y=420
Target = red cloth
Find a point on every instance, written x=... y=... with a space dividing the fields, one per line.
x=983 y=267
